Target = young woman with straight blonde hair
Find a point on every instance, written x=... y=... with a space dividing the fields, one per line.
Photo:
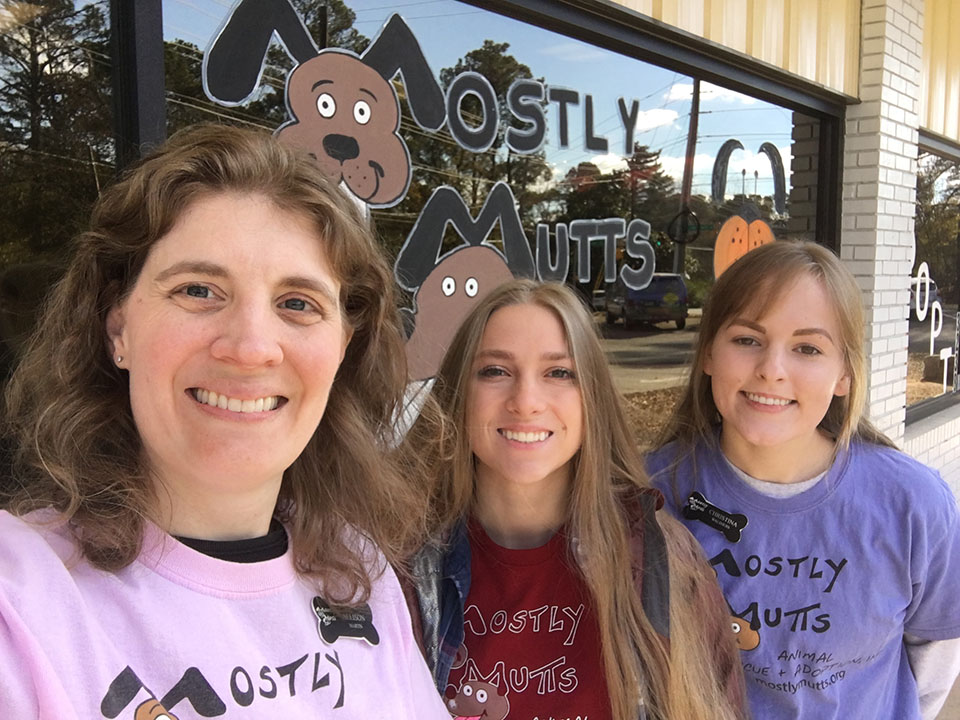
x=840 y=554
x=556 y=589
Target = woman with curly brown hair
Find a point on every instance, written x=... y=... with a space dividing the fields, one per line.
x=204 y=520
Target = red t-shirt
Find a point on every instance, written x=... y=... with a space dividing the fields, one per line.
x=531 y=648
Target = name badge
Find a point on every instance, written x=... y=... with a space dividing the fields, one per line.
x=699 y=508
x=349 y=623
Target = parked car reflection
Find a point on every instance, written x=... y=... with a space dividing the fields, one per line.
x=663 y=300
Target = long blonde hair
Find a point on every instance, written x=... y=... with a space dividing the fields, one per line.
x=673 y=678
x=68 y=405
x=758 y=280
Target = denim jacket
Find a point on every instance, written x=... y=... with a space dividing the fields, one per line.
x=441 y=573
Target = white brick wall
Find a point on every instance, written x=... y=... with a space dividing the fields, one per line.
x=879 y=195
x=879 y=188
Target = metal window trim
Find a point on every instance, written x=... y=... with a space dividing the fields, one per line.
x=938 y=145
x=926 y=408
x=829 y=173
x=136 y=47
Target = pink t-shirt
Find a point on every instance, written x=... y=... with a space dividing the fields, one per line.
x=201 y=637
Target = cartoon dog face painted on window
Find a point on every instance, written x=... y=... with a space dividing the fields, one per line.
x=347 y=116
x=447 y=286
x=342 y=106
x=745 y=230
x=445 y=297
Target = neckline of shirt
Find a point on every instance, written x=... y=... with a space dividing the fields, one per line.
x=185 y=566
x=517 y=557
x=775 y=489
x=729 y=476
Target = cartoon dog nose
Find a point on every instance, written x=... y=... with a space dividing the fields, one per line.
x=340 y=147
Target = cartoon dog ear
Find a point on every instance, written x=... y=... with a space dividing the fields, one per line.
x=718 y=184
x=234 y=62
x=421 y=249
x=498 y=678
x=779 y=182
x=194 y=688
x=121 y=693
x=396 y=49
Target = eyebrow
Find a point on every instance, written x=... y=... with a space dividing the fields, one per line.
x=507 y=355
x=368 y=93
x=318 y=83
x=191 y=266
x=299 y=282
x=799 y=332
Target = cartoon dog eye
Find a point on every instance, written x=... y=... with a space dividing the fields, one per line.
x=467 y=690
x=736 y=627
x=449 y=286
x=326 y=105
x=481 y=696
x=361 y=112
x=471 y=287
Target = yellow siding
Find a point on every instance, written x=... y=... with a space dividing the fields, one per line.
x=802 y=24
x=766 y=38
x=940 y=79
x=816 y=39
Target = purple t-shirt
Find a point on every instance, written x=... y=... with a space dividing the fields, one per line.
x=827 y=582
x=202 y=637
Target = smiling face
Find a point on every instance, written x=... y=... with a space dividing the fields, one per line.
x=524 y=409
x=774 y=373
x=231 y=335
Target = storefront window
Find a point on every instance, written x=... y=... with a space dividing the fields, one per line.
x=565 y=158
x=934 y=293
x=56 y=147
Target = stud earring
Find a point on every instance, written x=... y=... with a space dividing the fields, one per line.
x=119 y=359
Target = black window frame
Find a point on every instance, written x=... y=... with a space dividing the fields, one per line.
x=938 y=145
x=139 y=102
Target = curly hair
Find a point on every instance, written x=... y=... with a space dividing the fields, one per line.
x=68 y=405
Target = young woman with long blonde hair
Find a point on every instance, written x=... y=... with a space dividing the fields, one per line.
x=840 y=553
x=556 y=589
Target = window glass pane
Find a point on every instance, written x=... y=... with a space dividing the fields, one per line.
x=548 y=142
x=933 y=285
x=56 y=147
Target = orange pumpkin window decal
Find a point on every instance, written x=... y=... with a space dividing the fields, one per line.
x=746 y=229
